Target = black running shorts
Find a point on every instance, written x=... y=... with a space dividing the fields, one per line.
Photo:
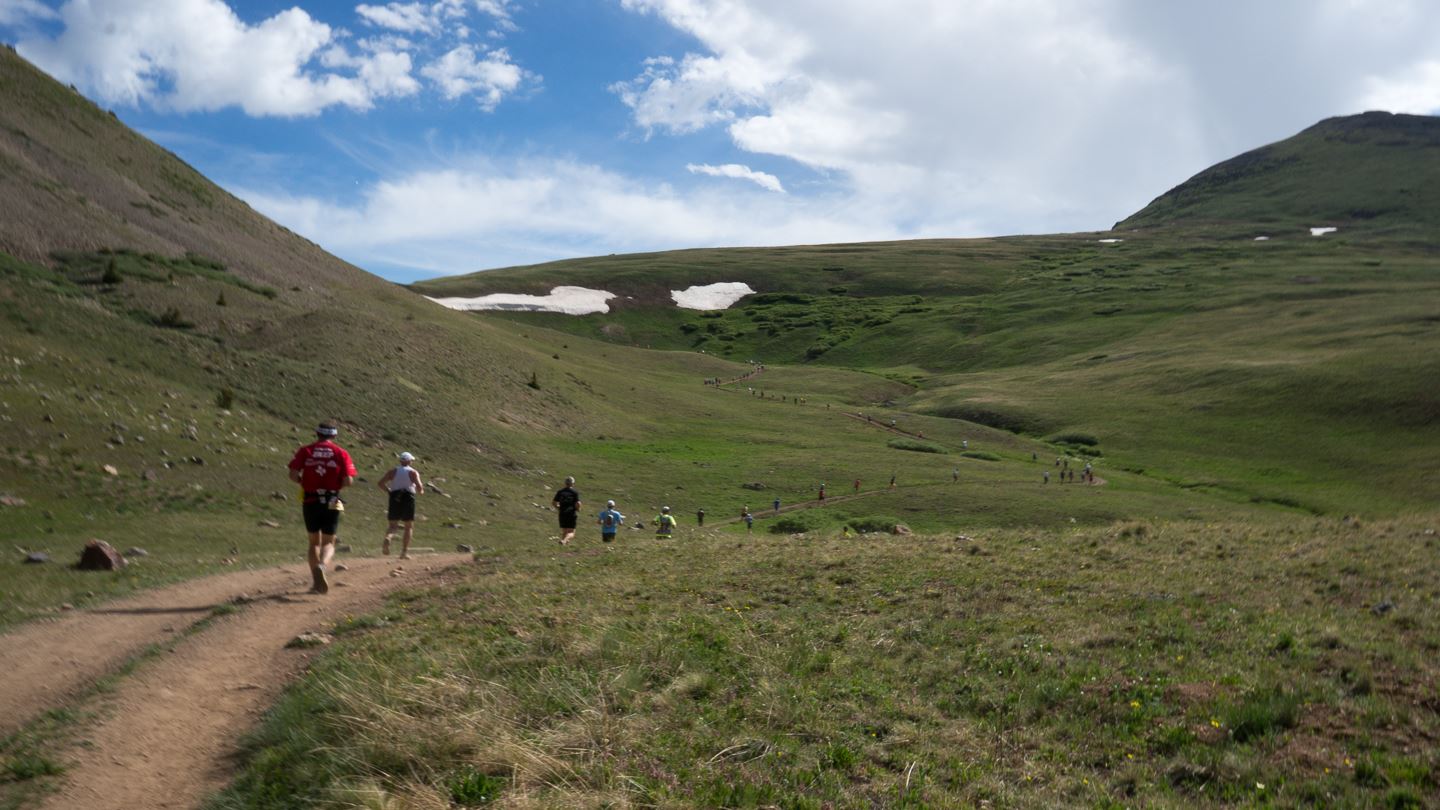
x=402 y=506
x=319 y=517
x=567 y=519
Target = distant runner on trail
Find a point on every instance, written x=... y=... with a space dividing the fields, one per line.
x=322 y=468
x=664 y=523
x=610 y=522
x=699 y=517
x=777 y=506
x=892 y=480
x=403 y=484
x=567 y=503
x=1047 y=476
x=748 y=518
x=822 y=490
x=955 y=475
x=857 y=484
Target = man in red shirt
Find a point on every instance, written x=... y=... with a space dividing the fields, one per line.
x=322 y=469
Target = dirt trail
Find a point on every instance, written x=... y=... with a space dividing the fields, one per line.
x=169 y=730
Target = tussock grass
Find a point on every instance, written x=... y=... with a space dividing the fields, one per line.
x=1137 y=664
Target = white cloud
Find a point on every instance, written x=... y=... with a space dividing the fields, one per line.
x=1037 y=115
x=17 y=12
x=1415 y=90
x=485 y=213
x=409 y=18
x=735 y=170
x=462 y=72
x=189 y=55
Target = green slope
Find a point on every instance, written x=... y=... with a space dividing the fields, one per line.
x=1293 y=369
x=1377 y=171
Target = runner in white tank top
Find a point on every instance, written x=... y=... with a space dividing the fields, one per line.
x=403 y=484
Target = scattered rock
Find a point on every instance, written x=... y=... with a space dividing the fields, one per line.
x=901 y=529
x=110 y=469
x=453 y=526
x=279 y=496
x=342 y=548
x=1382 y=608
x=36 y=557
x=464 y=549
x=11 y=500
x=99 y=555
x=136 y=551
x=150 y=475
x=117 y=440
x=66 y=606
x=397 y=572
x=271 y=524
x=242 y=599
x=197 y=460
x=755 y=486
x=308 y=640
x=341 y=567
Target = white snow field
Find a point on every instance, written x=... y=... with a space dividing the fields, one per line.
x=565 y=300
x=711 y=296
x=1109 y=241
x=1322 y=231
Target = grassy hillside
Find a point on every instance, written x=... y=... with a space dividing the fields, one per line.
x=1377 y=169
x=1142 y=665
x=1293 y=369
x=1184 y=630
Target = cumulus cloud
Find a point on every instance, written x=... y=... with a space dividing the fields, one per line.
x=199 y=55
x=739 y=172
x=1415 y=90
x=190 y=55
x=488 y=213
x=409 y=18
x=17 y=12
x=1031 y=114
x=488 y=77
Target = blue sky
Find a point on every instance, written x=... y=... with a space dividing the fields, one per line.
x=429 y=137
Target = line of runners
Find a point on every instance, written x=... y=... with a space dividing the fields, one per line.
x=322 y=469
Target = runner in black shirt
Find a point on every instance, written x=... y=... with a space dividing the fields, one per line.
x=567 y=503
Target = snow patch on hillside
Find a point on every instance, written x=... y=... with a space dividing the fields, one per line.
x=1322 y=231
x=565 y=300
x=711 y=296
x=1109 y=241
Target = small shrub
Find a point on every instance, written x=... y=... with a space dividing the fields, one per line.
x=473 y=788
x=220 y=301
x=172 y=319
x=1262 y=712
x=534 y=381
x=225 y=398
x=915 y=445
x=30 y=766
x=111 y=274
x=1084 y=439
x=980 y=454
x=797 y=523
x=873 y=523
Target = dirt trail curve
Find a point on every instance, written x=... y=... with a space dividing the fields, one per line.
x=169 y=730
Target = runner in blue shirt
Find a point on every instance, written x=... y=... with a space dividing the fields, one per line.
x=610 y=521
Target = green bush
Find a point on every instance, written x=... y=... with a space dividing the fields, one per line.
x=915 y=445
x=797 y=523
x=1261 y=712
x=980 y=454
x=225 y=398
x=873 y=523
x=172 y=319
x=1083 y=439
x=474 y=788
